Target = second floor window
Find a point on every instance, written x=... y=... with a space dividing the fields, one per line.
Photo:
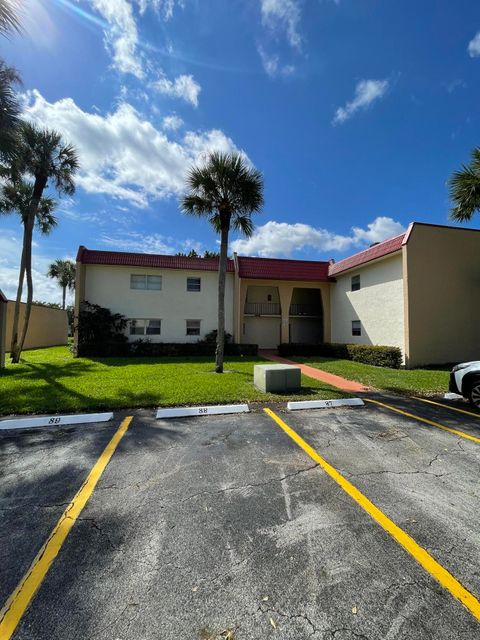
x=355 y=283
x=194 y=284
x=145 y=282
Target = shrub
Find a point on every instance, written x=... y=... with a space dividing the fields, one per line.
x=379 y=356
x=100 y=331
x=145 y=348
x=211 y=337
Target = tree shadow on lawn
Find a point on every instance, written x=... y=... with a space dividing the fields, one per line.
x=35 y=398
x=182 y=360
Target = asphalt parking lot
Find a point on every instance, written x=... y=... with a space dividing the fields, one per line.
x=224 y=527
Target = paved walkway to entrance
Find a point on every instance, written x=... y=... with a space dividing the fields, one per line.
x=318 y=374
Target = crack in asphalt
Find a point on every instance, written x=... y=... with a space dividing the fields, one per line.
x=290 y=616
x=398 y=473
x=246 y=486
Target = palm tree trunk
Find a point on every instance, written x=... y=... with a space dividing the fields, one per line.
x=16 y=314
x=222 y=272
x=29 y=223
x=64 y=293
x=28 y=270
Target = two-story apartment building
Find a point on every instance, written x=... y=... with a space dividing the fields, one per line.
x=419 y=291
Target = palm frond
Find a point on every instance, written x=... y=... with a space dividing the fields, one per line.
x=9 y=16
x=464 y=189
x=224 y=187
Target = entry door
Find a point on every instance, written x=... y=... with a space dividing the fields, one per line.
x=262 y=331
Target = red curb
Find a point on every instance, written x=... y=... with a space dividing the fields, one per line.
x=318 y=374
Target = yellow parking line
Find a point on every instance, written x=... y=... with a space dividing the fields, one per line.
x=456 y=432
x=16 y=605
x=444 y=577
x=447 y=406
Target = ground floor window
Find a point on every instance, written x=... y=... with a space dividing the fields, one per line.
x=356 y=328
x=142 y=327
x=193 y=327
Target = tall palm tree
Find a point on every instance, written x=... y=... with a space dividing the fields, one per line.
x=15 y=198
x=465 y=189
x=227 y=191
x=9 y=108
x=64 y=272
x=41 y=155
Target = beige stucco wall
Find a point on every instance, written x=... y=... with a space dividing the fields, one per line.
x=47 y=327
x=442 y=268
x=109 y=286
x=378 y=304
x=260 y=294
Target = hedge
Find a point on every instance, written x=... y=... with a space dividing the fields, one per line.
x=379 y=356
x=141 y=348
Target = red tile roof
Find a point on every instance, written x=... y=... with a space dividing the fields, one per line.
x=121 y=258
x=372 y=253
x=275 y=269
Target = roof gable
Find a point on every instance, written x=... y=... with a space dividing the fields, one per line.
x=374 y=252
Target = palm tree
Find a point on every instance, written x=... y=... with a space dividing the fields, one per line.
x=15 y=198
x=9 y=10
x=465 y=189
x=9 y=108
x=42 y=155
x=64 y=272
x=227 y=191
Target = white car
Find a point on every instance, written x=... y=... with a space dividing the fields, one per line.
x=465 y=381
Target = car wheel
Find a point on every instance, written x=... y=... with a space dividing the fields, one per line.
x=474 y=394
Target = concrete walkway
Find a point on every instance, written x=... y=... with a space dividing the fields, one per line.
x=318 y=374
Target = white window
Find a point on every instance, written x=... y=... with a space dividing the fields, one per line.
x=194 y=284
x=145 y=327
x=355 y=283
x=193 y=327
x=356 y=328
x=142 y=281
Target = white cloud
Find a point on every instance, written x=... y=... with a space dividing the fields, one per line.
x=184 y=87
x=122 y=36
x=122 y=42
x=474 y=46
x=283 y=15
x=281 y=239
x=162 y=7
x=44 y=289
x=380 y=229
x=272 y=66
x=172 y=123
x=366 y=92
x=122 y=154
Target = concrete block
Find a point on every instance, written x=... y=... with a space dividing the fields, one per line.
x=277 y=378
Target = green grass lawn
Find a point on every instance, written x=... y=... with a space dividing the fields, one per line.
x=52 y=380
x=405 y=381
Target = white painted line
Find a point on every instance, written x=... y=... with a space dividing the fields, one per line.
x=452 y=396
x=48 y=421
x=325 y=404
x=181 y=412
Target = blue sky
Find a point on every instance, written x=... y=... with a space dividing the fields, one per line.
x=356 y=111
